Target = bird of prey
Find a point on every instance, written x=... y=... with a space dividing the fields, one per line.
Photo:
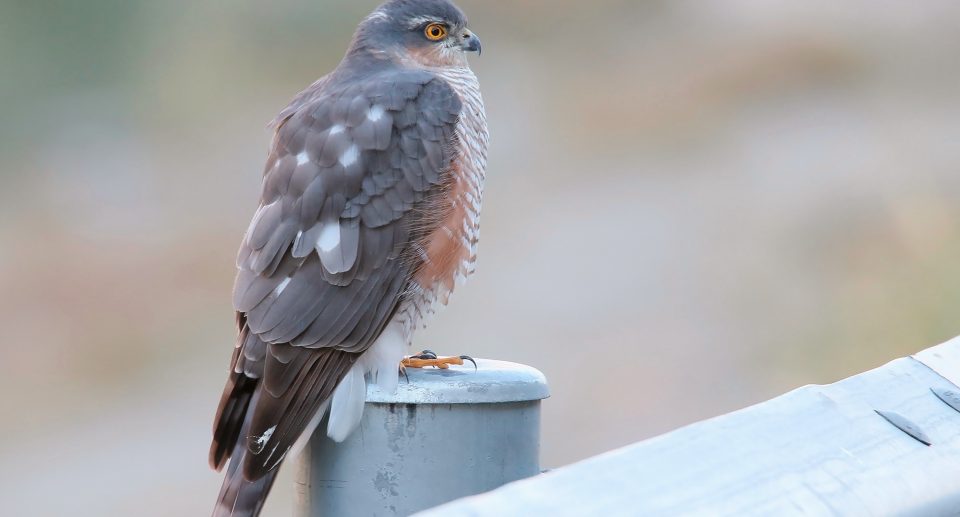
x=368 y=218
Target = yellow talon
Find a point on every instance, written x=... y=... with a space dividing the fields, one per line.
x=428 y=358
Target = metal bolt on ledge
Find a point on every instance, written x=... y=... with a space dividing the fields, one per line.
x=443 y=435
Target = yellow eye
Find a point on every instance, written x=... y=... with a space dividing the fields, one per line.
x=435 y=32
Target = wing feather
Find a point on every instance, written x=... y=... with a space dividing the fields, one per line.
x=354 y=166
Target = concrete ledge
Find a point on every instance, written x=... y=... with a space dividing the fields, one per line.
x=818 y=450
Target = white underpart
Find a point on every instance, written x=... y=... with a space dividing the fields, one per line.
x=329 y=237
x=376 y=113
x=283 y=285
x=304 y=438
x=380 y=362
x=302 y=158
x=350 y=156
x=346 y=405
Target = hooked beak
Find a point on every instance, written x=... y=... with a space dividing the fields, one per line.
x=470 y=42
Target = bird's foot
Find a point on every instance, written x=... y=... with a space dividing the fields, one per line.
x=430 y=358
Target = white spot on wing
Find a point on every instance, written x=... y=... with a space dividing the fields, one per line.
x=329 y=237
x=256 y=219
x=302 y=158
x=350 y=156
x=375 y=113
x=262 y=440
x=273 y=450
x=336 y=129
x=283 y=285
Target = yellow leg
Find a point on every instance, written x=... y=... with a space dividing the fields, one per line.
x=428 y=358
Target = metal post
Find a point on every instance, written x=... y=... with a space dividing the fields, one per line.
x=444 y=434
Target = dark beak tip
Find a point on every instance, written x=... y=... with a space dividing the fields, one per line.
x=473 y=45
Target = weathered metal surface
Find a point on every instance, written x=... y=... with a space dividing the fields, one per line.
x=948 y=396
x=491 y=381
x=445 y=434
x=906 y=425
x=818 y=450
x=943 y=359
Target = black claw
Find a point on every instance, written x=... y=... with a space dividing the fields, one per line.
x=468 y=358
x=426 y=354
x=403 y=370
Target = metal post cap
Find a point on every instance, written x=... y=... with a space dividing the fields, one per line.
x=445 y=434
x=491 y=382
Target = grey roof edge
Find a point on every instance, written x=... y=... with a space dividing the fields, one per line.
x=816 y=450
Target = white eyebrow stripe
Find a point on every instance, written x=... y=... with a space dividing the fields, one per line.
x=420 y=20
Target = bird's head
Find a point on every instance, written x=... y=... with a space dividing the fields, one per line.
x=430 y=33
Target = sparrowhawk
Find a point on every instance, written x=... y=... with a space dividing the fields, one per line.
x=368 y=218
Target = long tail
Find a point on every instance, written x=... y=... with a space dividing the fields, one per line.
x=238 y=497
x=270 y=412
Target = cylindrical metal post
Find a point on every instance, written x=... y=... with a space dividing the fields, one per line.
x=443 y=435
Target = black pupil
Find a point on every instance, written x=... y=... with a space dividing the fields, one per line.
x=435 y=32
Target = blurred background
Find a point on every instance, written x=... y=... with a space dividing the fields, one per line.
x=691 y=206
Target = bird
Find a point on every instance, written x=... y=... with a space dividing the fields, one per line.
x=368 y=218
